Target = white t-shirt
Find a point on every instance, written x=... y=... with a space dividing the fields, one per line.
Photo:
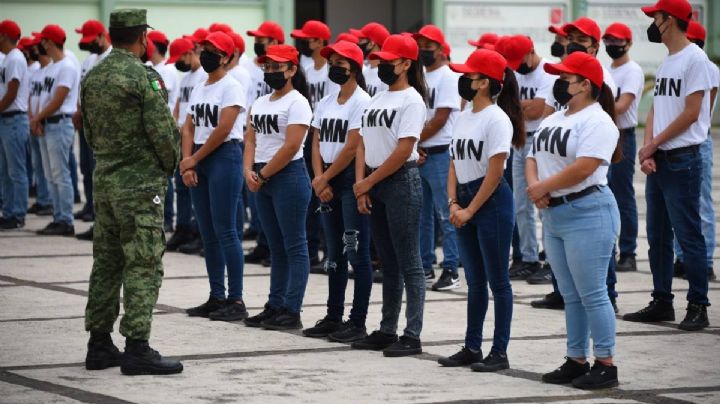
x=372 y=81
x=678 y=76
x=71 y=55
x=270 y=120
x=88 y=64
x=607 y=79
x=63 y=73
x=306 y=62
x=169 y=74
x=14 y=67
x=442 y=88
x=477 y=136
x=242 y=76
x=630 y=79
x=37 y=81
x=714 y=72
x=187 y=84
x=335 y=121
x=207 y=102
x=319 y=85
x=391 y=116
x=536 y=84
x=562 y=139
x=258 y=87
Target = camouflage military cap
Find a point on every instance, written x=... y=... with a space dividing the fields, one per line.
x=128 y=18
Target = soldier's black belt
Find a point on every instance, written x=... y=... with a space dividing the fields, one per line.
x=410 y=164
x=11 y=114
x=435 y=149
x=694 y=149
x=575 y=195
x=56 y=118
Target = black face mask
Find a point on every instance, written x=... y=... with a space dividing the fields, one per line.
x=144 y=57
x=366 y=49
x=41 y=50
x=427 y=57
x=83 y=46
x=303 y=46
x=33 y=55
x=338 y=75
x=653 y=33
x=557 y=49
x=259 y=49
x=275 y=80
x=386 y=73
x=575 y=47
x=561 y=93
x=524 y=69
x=209 y=61
x=465 y=88
x=94 y=47
x=615 y=51
x=182 y=66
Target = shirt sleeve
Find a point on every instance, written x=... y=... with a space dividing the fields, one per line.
x=634 y=82
x=598 y=140
x=300 y=112
x=15 y=69
x=412 y=120
x=447 y=93
x=233 y=95
x=697 y=77
x=501 y=139
x=356 y=115
x=67 y=77
x=160 y=127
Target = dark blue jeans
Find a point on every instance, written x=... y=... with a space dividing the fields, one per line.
x=620 y=180
x=215 y=199
x=347 y=237
x=185 y=216
x=282 y=205
x=673 y=203
x=516 y=253
x=395 y=224
x=484 y=247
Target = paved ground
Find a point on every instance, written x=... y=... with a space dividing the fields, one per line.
x=43 y=283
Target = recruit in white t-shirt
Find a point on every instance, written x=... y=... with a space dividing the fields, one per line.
x=391 y=116
x=561 y=139
x=14 y=67
x=678 y=76
x=536 y=84
x=169 y=74
x=630 y=79
x=372 y=81
x=607 y=79
x=37 y=81
x=319 y=85
x=714 y=73
x=187 y=85
x=478 y=136
x=258 y=87
x=442 y=88
x=334 y=121
x=207 y=102
x=63 y=73
x=270 y=119
x=242 y=76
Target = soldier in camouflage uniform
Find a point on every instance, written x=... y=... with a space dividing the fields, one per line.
x=136 y=146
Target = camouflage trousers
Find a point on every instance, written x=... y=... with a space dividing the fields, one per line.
x=128 y=246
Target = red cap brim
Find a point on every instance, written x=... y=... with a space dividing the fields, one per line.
x=558 y=68
x=514 y=64
x=474 y=43
x=650 y=10
x=357 y=33
x=172 y=59
x=274 y=58
x=383 y=56
x=297 y=33
x=460 y=68
x=88 y=38
x=258 y=33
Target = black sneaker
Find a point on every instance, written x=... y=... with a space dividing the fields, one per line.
x=464 y=357
x=565 y=374
x=88 y=217
x=656 y=311
x=206 y=308
x=231 y=311
x=58 y=229
x=36 y=207
x=77 y=199
x=542 y=276
x=191 y=248
x=525 y=270
x=405 y=346
x=102 y=353
x=256 y=320
x=249 y=234
x=376 y=341
x=696 y=318
x=515 y=265
x=494 y=362
x=429 y=277
x=45 y=210
x=678 y=269
x=552 y=301
x=140 y=359
x=180 y=237
x=258 y=254
x=348 y=332
x=600 y=376
x=86 y=235
x=12 y=223
x=626 y=263
x=322 y=328
x=284 y=320
x=448 y=280
x=79 y=214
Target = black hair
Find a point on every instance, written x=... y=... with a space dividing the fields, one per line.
x=161 y=48
x=126 y=36
x=299 y=82
x=356 y=70
x=416 y=78
x=682 y=24
x=605 y=98
x=509 y=102
x=699 y=42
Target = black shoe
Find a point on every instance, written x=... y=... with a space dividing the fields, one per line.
x=542 y=276
x=711 y=274
x=318 y=267
x=464 y=357
x=249 y=234
x=34 y=208
x=552 y=301
x=58 y=229
x=429 y=277
x=168 y=228
x=266 y=262
x=655 y=312
x=256 y=320
x=376 y=341
x=348 y=332
x=87 y=235
x=77 y=199
x=102 y=353
x=206 y=308
x=525 y=270
x=542 y=256
x=192 y=248
x=626 y=263
x=88 y=217
x=696 y=318
x=494 y=362
x=448 y=280
x=45 y=210
x=283 y=320
x=405 y=346
x=258 y=254
x=12 y=223
x=322 y=328
x=678 y=269
x=79 y=214
x=180 y=237
x=600 y=376
x=140 y=359
x=565 y=374
x=231 y=311
x=515 y=265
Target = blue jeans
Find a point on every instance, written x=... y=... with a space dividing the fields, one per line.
x=434 y=174
x=620 y=180
x=707 y=210
x=347 y=237
x=579 y=237
x=43 y=193
x=185 y=215
x=524 y=208
x=673 y=204
x=13 y=165
x=55 y=147
x=215 y=199
x=282 y=205
x=395 y=225
x=484 y=248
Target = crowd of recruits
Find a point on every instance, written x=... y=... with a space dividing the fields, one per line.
x=567 y=150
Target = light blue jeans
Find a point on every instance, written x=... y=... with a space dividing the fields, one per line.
x=13 y=170
x=524 y=208
x=55 y=147
x=579 y=237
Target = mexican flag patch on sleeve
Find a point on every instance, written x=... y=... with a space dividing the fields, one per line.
x=157 y=85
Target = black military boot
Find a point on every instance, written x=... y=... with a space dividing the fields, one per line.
x=140 y=359
x=102 y=353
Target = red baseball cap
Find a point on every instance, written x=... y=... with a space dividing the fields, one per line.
x=346 y=49
x=358 y=33
x=10 y=28
x=198 y=36
x=178 y=48
x=221 y=27
x=220 y=40
x=680 y=9
x=696 y=31
x=397 y=46
x=150 y=49
x=483 y=61
x=558 y=30
x=269 y=29
x=280 y=53
x=431 y=33
x=312 y=29
x=585 y=25
x=25 y=42
x=157 y=36
x=90 y=30
x=238 y=41
x=514 y=48
x=52 y=33
x=375 y=32
x=618 y=30
x=346 y=36
x=579 y=63
x=488 y=38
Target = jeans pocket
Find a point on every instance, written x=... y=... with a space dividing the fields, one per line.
x=683 y=163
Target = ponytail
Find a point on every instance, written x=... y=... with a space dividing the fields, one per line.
x=356 y=70
x=509 y=102
x=416 y=79
x=604 y=97
x=299 y=82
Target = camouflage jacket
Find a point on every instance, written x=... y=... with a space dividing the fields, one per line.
x=128 y=126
